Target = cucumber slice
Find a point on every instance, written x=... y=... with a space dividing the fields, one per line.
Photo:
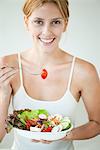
x=57 y=128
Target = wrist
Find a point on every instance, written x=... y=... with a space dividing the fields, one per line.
x=70 y=135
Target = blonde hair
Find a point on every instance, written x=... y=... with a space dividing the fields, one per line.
x=62 y=5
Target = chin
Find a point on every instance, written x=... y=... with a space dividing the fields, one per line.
x=48 y=49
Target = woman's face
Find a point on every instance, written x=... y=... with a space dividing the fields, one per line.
x=46 y=26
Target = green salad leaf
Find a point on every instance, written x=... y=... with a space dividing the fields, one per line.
x=28 y=115
x=43 y=111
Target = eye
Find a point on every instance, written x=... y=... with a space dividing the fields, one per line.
x=38 y=22
x=56 y=22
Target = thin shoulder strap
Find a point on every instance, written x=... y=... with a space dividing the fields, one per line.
x=71 y=73
x=20 y=68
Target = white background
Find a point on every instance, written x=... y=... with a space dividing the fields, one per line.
x=81 y=39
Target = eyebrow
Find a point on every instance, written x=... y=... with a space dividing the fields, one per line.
x=51 y=19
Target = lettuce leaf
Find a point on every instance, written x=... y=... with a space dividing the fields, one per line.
x=28 y=115
x=43 y=111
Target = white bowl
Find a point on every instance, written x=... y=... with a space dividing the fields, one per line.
x=50 y=136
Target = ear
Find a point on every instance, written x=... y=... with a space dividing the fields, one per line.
x=26 y=22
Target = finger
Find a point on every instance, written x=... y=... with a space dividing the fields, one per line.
x=5 y=70
x=45 y=141
x=7 y=81
x=64 y=138
x=3 y=66
x=36 y=141
x=8 y=75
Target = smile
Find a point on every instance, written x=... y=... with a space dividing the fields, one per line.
x=47 y=41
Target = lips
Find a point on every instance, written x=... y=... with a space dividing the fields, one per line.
x=47 y=41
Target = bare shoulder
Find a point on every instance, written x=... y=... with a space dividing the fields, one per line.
x=85 y=66
x=86 y=72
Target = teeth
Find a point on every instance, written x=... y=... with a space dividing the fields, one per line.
x=47 y=41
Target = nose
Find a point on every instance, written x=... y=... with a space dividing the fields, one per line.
x=46 y=30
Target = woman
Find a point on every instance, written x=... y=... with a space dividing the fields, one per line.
x=45 y=76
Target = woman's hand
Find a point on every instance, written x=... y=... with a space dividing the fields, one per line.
x=42 y=141
x=48 y=142
x=6 y=74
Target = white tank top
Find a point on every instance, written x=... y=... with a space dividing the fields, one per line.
x=65 y=106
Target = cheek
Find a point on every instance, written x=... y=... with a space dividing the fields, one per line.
x=34 y=32
x=58 y=33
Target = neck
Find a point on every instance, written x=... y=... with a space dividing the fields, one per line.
x=41 y=58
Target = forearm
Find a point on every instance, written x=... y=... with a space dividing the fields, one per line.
x=2 y=133
x=86 y=131
x=3 y=115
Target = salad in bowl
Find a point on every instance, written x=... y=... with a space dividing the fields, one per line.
x=39 y=124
